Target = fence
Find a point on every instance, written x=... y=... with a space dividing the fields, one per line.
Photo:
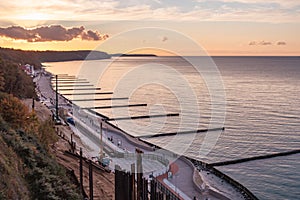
x=131 y=187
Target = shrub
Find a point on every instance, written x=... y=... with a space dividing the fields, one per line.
x=13 y=111
x=46 y=179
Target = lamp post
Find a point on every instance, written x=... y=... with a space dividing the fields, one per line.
x=101 y=140
x=56 y=102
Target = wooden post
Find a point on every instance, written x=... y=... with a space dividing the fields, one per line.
x=72 y=143
x=168 y=197
x=139 y=173
x=154 y=190
x=32 y=104
x=91 y=180
x=74 y=147
x=129 y=178
x=118 y=183
x=145 y=189
x=133 y=181
x=80 y=172
x=126 y=186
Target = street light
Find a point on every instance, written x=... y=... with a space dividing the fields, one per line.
x=101 y=140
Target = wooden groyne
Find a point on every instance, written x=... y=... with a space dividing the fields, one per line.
x=102 y=99
x=87 y=93
x=116 y=106
x=231 y=162
x=143 y=117
x=69 y=79
x=73 y=85
x=70 y=89
x=70 y=82
x=182 y=132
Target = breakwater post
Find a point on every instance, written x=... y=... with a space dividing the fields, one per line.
x=241 y=160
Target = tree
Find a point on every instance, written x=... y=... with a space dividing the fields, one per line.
x=15 y=81
x=13 y=111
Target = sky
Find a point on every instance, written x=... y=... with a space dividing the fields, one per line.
x=220 y=27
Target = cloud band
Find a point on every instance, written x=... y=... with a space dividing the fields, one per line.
x=50 y=33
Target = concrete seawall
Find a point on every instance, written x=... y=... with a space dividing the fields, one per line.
x=243 y=190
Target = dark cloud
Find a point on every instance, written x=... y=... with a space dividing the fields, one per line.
x=164 y=39
x=93 y=35
x=260 y=43
x=281 y=43
x=50 y=33
x=265 y=43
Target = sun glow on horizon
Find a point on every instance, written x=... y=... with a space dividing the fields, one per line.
x=222 y=28
x=34 y=16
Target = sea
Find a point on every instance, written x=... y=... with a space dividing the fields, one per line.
x=256 y=100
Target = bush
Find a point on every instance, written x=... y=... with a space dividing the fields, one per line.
x=13 y=111
x=46 y=133
x=46 y=179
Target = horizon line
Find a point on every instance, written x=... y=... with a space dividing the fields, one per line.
x=157 y=55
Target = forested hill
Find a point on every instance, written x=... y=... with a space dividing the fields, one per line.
x=14 y=81
x=19 y=56
x=37 y=57
x=28 y=168
x=55 y=56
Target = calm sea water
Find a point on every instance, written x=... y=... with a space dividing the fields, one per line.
x=262 y=98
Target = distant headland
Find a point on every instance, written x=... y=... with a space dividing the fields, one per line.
x=36 y=58
x=133 y=55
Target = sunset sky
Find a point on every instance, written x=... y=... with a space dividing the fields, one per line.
x=221 y=27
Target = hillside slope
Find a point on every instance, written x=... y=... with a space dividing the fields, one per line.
x=27 y=168
x=12 y=182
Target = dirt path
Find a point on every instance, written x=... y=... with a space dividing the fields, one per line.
x=103 y=181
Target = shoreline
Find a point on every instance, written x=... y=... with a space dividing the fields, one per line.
x=202 y=190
